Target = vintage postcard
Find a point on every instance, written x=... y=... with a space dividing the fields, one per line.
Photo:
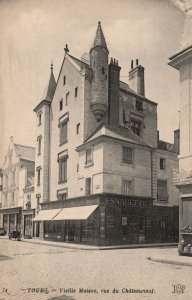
x=95 y=152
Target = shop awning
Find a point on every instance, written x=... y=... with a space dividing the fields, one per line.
x=76 y=213
x=47 y=215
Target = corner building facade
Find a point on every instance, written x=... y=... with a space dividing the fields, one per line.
x=102 y=174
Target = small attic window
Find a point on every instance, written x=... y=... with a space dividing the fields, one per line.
x=64 y=80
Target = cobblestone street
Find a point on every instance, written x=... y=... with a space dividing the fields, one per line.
x=31 y=271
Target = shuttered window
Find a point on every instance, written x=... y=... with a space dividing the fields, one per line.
x=127 y=186
x=63 y=132
x=162 y=194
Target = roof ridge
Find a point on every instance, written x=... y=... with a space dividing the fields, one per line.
x=24 y=146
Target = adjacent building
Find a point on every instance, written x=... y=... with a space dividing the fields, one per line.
x=102 y=176
x=17 y=196
x=182 y=61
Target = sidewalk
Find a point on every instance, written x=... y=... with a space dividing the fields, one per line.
x=173 y=259
x=92 y=247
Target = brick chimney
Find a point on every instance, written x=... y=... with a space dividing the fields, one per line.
x=136 y=78
x=177 y=141
x=113 y=111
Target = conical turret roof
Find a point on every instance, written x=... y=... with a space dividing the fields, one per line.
x=99 y=38
x=50 y=88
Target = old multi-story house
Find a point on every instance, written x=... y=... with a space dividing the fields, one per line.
x=181 y=61
x=17 y=172
x=102 y=174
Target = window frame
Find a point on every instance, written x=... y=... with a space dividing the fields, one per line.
x=130 y=191
x=78 y=128
x=38 y=170
x=62 y=176
x=164 y=198
x=60 y=104
x=76 y=91
x=162 y=165
x=39 y=146
x=39 y=115
x=66 y=98
x=136 y=130
x=130 y=161
x=89 y=161
x=139 y=105
x=63 y=136
x=64 y=79
x=87 y=188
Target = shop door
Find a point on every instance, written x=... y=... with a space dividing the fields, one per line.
x=133 y=229
x=36 y=229
x=69 y=231
x=164 y=229
x=5 y=223
x=12 y=225
x=28 y=227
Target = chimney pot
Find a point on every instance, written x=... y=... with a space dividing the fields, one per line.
x=137 y=62
x=132 y=64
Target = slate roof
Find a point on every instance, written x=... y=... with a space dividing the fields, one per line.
x=99 y=38
x=79 y=62
x=120 y=133
x=125 y=87
x=50 y=88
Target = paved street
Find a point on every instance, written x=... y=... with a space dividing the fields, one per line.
x=31 y=271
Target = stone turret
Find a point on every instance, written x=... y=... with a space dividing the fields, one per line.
x=99 y=64
x=42 y=158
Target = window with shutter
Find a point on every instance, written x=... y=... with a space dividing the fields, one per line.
x=162 y=193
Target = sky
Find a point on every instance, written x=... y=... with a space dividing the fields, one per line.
x=34 y=33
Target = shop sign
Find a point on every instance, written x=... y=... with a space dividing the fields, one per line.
x=128 y=202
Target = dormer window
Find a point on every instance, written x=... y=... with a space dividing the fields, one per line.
x=136 y=127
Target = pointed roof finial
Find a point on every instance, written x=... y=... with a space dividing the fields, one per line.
x=99 y=38
x=66 y=49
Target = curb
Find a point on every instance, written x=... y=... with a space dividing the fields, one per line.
x=169 y=261
x=96 y=248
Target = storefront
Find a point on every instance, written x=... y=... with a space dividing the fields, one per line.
x=98 y=220
x=28 y=226
x=12 y=218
